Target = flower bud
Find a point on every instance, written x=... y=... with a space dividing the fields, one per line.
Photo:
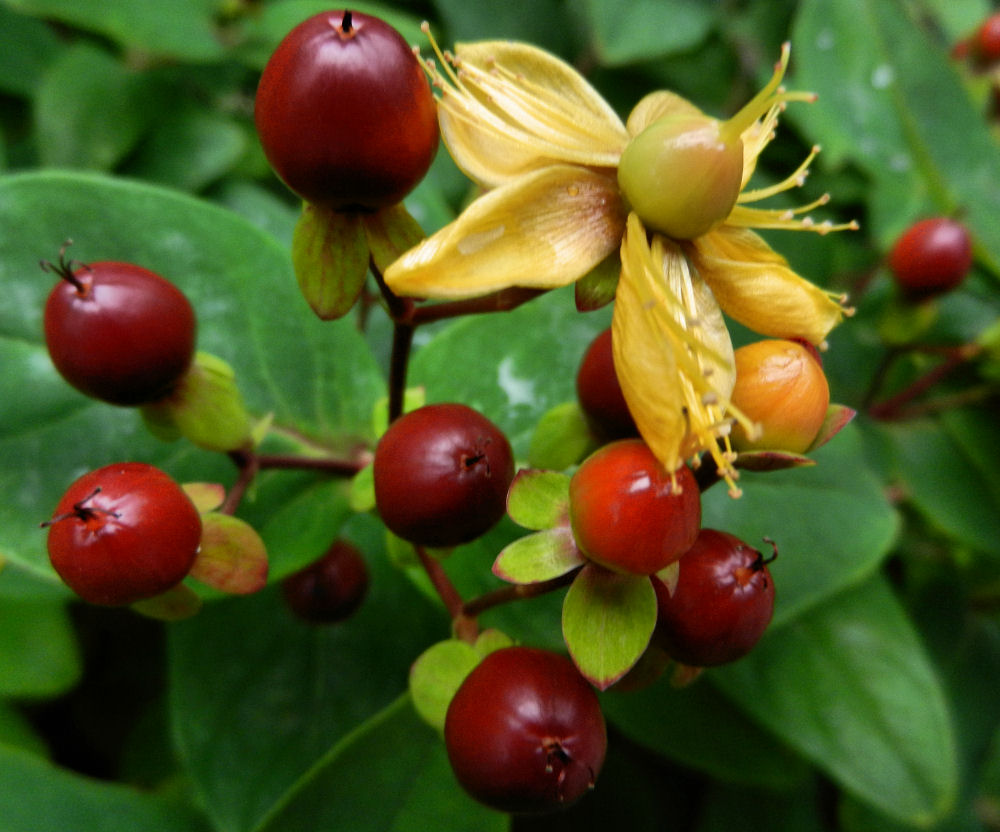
x=780 y=385
x=682 y=174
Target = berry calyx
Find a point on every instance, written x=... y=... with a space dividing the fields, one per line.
x=721 y=605
x=441 y=475
x=123 y=533
x=628 y=513
x=781 y=387
x=118 y=332
x=330 y=589
x=600 y=393
x=931 y=257
x=525 y=732
x=345 y=113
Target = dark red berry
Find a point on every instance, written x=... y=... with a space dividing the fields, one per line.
x=931 y=257
x=441 y=475
x=721 y=605
x=525 y=733
x=628 y=513
x=345 y=113
x=123 y=533
x=118 y=332
x=330 y=589
x=600 y=393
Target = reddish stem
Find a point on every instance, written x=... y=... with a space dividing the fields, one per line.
x=892 y=407
x=514 y=592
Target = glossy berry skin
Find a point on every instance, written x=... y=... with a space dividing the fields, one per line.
x=119 y=332
x=525 y=733
x=123 y=533
x=721 y=606
x=781 y=386
x=931 y=257
x=626 y=512
x=345 y=113
x=330 y=589
x=985 y=42
x=600 y=393
x=441 y=475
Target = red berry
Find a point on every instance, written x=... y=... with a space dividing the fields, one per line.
x=118 y=332
x=628 y=513
x=441 y=475
x=985 y=42
x=721 y=605
x=123 y=533
x=932 y=256
x=329 y=589
x=600 y=393
x=524 y=732
x=345 y=113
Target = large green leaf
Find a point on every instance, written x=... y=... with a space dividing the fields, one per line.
x=26 y=48
x=36 y=796
x=187 y=31
x=258 y=692
x=318 y=380
x=849 y=685
x=391 y=773
x=832 y=523
x=38 y=651
x=647 y=29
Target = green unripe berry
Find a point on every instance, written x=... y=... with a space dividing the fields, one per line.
x=682 y=174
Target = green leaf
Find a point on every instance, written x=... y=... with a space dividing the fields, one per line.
x=699 y=727
x=188 y=32
x=607 y=620
x=947 y=487
x=849 y=685
x=391 y=773
x=37 y=796
x=561 y=439
x=17 y=732
x=539 y=499
x=437 y=674
x=39 y=656
x=832 y=522
x=257 y=691
x=318 y=379
x=542 y=556
x=27 y=47
x=647 y=29
x=330 y=255
x=85 y=80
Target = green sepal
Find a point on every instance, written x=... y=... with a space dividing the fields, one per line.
x=206 y=496
x=597 y=288
x=232 y=557
x=437 y=674
x=607 y=621
x=904 y=321
x=176 y=604
x=440 y=670
x=330 y=258
x=562 y=438
x=391 y=232
x=413 y=398
x=838 y=417
x=361 y=497
x=542 y=556
x=539 y=499
x=206 y=408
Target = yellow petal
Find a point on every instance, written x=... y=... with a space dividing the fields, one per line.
x=511 y=108
x=756 y=286
x=672 y=352
x=544 y=230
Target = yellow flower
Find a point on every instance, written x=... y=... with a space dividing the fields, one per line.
x=568 y=185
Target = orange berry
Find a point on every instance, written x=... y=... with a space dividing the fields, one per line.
x=781 y=387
